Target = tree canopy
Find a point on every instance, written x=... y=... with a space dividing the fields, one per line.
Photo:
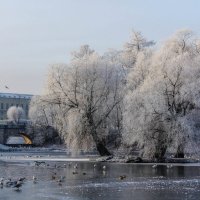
x=149 y=96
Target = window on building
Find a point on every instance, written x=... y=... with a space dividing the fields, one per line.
x=7 y=106
x=1 y=105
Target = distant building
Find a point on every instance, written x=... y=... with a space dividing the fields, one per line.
x=11 y=99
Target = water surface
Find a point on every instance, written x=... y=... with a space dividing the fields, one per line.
x=141 y=182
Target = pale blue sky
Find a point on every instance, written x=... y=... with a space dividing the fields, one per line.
x=37 y=33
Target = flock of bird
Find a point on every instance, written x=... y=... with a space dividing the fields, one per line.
x=17 y=184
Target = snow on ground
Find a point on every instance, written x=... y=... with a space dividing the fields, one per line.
x=28 y=158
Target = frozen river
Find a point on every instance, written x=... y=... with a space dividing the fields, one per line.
x=138 y=181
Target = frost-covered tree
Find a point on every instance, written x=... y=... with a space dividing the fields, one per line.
x=137 y=43
x=83 y=52
x=14 y=114
x=43 y=122
x=159 y=101
x=86 y=92
x=151 y=95
x=40 y=113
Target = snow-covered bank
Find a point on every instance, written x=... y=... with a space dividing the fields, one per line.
x=30 y=158
x=60 y=154
x=147 y=161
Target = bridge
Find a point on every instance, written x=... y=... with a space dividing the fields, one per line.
x=12 y=130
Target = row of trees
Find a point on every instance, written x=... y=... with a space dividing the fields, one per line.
x=148 y=95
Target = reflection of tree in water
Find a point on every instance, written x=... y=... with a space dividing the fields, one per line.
x=179 y=171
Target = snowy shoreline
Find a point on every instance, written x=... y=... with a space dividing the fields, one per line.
x=64 y=158
x=59 y=154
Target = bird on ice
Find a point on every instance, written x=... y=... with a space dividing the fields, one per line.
x=61 y=179
x=34 y=179
x=122 y=177
x=154 y=166
x=18 y=185
x=76 y=166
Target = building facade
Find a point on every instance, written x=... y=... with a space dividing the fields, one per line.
x=11 y=99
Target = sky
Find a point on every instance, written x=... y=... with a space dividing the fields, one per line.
x=34 y=34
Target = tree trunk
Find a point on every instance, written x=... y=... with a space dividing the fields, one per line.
x=161 y=147
x=101 y=148
x=159 y=154
x=180 y=152
x=103 y=151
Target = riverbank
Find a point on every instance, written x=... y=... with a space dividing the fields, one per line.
x=135 y=159
x=60 y=153
x=32 y=157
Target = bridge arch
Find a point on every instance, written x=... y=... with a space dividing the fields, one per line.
x=12 y=130
x=19 y=138
x=27 y=139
